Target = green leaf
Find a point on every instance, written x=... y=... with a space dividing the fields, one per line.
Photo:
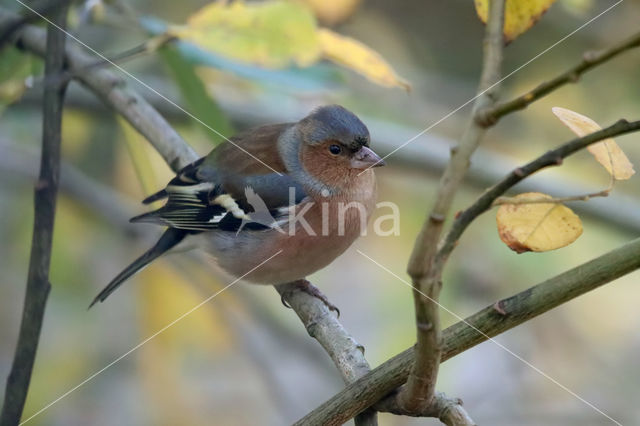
x=15 y=67
x=194 y=93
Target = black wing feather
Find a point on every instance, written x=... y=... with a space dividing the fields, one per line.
x=198 y=205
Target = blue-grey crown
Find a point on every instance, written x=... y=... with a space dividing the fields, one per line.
x=333 y=122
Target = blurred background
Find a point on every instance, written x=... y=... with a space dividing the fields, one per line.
x=243 y=358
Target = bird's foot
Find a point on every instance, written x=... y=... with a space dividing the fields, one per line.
x=307 y=287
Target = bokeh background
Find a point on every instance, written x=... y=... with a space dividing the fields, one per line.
x=243 y=358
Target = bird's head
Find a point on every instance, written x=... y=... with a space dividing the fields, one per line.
x=333 y=146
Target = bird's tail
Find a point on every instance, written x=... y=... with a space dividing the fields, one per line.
x=169 y=239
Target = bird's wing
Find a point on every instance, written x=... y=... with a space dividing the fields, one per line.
x=211 y=192
x=203 y=205
x=252 y=152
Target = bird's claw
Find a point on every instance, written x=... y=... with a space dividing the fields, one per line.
x=314 y=291
x=284 y=302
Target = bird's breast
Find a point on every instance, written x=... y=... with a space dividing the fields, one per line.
x=318 y=230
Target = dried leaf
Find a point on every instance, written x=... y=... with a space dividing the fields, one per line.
x=356 y=56
x=271 y=34
x=537 y=226
x=519 y=15
x=606 y=152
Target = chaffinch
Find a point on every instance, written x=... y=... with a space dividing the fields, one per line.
x=297 y=194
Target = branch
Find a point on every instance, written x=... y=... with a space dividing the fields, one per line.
x=46 y=189
x=449 y=410
x=420 y=387
x=479 y=327
x=490 y=115
x=323 y=325
x=111 y=88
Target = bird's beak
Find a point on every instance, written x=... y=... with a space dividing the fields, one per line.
x=365 y=158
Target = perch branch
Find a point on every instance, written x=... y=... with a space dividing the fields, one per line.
x=322 y=324
x=489 y=116
x=479 y=327
x=46 y=189
x=420 y=388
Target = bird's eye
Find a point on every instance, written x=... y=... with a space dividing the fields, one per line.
x=335 y=149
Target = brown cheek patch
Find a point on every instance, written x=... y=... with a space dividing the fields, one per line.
x=320 y=163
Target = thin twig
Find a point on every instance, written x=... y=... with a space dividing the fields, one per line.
x=421 y=384
x=553 y=200
x=477 y=328
x=490 y=115
x=46 y=189
x=148 y=46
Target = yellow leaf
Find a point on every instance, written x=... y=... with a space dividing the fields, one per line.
x=359 y=58
x=271 y=34
x=537 y=226
x=606 y=152
x=519 y=15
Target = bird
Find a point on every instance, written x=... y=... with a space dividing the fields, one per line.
x=272 y=204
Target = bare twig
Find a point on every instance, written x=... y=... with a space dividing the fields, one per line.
x=490 y=115
x=555 y=200
x=148 y=46
x=421 y=384
x=479 y=327
x=46 y=189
